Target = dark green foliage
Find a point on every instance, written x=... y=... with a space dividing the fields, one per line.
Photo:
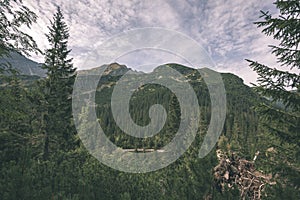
x=74 y=174
x=281 y=113
x=39 y=158
x=240 y=125
x=57 y=87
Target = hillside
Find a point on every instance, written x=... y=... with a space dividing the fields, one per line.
x=24 y=65
x=189 y=177
x=240 y=100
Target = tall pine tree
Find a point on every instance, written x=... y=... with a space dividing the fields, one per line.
x=281 y=112
x=58 y=86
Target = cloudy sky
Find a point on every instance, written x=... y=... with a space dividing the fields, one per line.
x=223 y=28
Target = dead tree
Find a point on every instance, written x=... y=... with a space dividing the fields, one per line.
x=233 y=170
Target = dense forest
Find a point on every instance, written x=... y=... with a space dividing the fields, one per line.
x=43 y=157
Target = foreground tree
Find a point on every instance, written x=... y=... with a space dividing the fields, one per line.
x=13 y=16
x=58 y=85
x=14 y=103
x=281 y=112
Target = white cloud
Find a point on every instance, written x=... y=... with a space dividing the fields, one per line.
x=224 y=27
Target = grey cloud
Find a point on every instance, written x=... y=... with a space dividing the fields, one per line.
x=224 y=27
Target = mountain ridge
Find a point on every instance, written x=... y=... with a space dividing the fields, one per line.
x=26 y=66
x=23 y=65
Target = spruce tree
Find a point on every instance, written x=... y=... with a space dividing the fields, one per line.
x=58 y=85
x=280 y=112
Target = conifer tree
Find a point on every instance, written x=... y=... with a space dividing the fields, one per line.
x=14 y=103
x=13 y=16
x=58 y=85
x=174 y=118
x=280 y=112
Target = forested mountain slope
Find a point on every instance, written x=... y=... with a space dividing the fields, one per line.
x=72 y=173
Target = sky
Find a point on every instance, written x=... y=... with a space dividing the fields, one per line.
x=223 y=28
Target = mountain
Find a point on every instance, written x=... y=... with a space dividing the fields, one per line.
x=24 y=65
x=189 y=177
x=113 y=69
x=241 y=121
x=240 y=98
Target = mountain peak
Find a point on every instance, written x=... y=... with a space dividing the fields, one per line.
x=115 y=69
x=116 y=66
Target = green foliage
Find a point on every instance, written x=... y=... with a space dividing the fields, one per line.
x=40 y=158
x=74 y=174
x=57 y=87
x=281 y=113
x=14 y=16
